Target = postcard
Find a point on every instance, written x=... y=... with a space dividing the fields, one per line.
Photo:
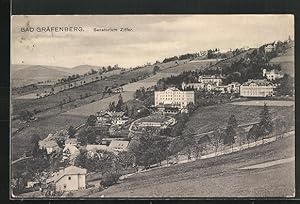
x=152 y=106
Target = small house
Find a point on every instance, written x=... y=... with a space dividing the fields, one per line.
x=68 y=179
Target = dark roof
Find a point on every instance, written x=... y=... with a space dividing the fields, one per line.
x=258 y=82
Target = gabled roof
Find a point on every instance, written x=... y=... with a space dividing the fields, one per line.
x=172 y=89
x=118 y=144
x=235 y=83
x=96 y=147
x=270 y=46
x=210 y=77
x=112 y=113
x=258 y=82
x=71 y=170
x=275 y=71
x=71 y=141
x=72 y=149
x=48 y=143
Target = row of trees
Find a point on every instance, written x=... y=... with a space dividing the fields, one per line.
x=151 y=147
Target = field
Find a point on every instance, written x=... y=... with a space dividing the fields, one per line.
x=262 y=102
x=167 y=72
x=217 y=177
x=209 y=118
x=286 y=61
x=101 y=105
x=190 y=66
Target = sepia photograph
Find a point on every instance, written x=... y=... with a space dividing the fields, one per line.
x=152 y=106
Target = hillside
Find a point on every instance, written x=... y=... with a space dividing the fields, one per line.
x=286 y=62
x=82 y=69
x=216 y=177
x=24 y=75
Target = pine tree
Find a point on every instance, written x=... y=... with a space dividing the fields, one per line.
x=119 y=104
x=232 y=121
x=230 y=130
x=265 y=123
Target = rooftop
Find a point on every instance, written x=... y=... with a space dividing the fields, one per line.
x=71 y=170
x=258 y=82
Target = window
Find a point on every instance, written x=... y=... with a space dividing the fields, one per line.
x=69 y=178
x=65 y=185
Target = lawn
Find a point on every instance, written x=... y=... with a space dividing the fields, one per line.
x=216 y=177
x=209 y=118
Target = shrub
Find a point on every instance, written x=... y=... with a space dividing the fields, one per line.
x=109 y=179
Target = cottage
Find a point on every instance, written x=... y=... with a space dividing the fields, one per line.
x=272 y=75
x=49 y=145
x=71 y=141
x=233 y=87
x=214 y=79
x=269 y=48
x=111 y=118
x=69 y=179
x=257 y=88
x=118 y=146
x=70 y=153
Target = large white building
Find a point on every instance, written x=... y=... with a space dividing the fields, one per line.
x=257 y=88
x=68 y=179
x=174 y=97
x=210 y=80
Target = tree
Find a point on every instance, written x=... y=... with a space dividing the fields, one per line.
x=216 y=139
x=35 y=139
x=191 y=107
x=254 y=133
x=35 y=150
x=112 y=106
x=126 y=110
x=232 y=121
x=149 y=148
x=87 y=136
x=286 y=86
x=229 y=136
x=25 y=115
x=265 y=123
x=119 y=104
x=91 y=121
x=72 y=131
x=156 y=69
x=60 y=142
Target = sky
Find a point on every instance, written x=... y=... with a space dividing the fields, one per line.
x=152 y=37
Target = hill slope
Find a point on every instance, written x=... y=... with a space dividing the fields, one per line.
x=286 y=61
x=81 y=69
x=217 y=177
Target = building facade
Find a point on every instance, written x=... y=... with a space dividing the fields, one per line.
x=174 y=97
x=269 y=48
x=257 y=88
x=272 y=75
x=69 y=179
x=210 y=80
